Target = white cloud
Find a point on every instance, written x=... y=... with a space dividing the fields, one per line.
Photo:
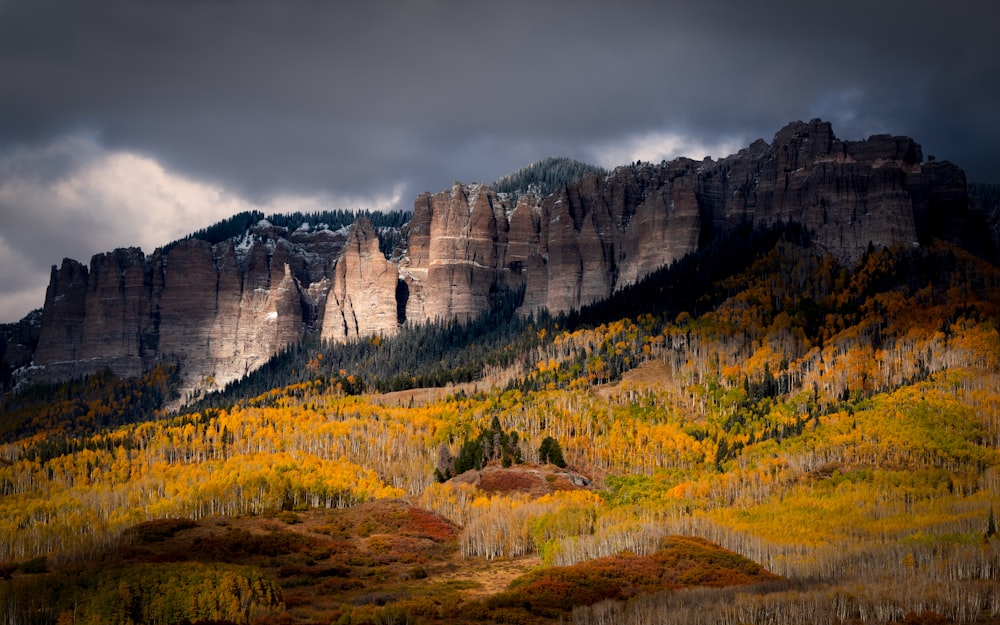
x=73 y=198
x=659 y=146
x=20 y=290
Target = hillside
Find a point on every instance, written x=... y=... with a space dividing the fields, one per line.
x=833 y=424
x=379 y=562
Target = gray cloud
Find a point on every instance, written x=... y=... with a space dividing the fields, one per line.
x=367 y=99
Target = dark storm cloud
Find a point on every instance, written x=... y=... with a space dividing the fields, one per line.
x=363 y=99
x=283 y=94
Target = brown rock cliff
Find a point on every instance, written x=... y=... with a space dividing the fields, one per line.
x=363 y=295
x=222 y=310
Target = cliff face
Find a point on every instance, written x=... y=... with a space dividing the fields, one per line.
x=848 y=193
x=363 y=297
x=222 y=310
x=456 y=252
x=577 y=246
x=18 y=342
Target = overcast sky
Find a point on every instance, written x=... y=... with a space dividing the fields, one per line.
x=133 y=123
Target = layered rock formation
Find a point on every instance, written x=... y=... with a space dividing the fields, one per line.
x=18 y=342
x=222 y=310
x=362 y=299
x=456 y=252
x=600 y=233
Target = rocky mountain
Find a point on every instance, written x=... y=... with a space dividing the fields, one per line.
x=363 y=297
x=221 y=310
x=17 y=345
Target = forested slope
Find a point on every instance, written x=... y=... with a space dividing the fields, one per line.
x=837 y=426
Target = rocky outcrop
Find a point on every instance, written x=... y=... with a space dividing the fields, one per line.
x=577 y=246
x=219 y=311
x=533 y=479
x=456 y=252
x=222 y=310
x=849 y=194
x=366 y=296
x=18 y=342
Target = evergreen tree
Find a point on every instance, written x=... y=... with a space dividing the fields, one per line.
x=550 y=452
x=545 y=176
x=490 y=445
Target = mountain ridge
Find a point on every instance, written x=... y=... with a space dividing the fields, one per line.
x=222 y=309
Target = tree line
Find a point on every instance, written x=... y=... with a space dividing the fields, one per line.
x=240 y=223
x=544 y=177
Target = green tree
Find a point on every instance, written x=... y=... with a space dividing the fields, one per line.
x=551 y=452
